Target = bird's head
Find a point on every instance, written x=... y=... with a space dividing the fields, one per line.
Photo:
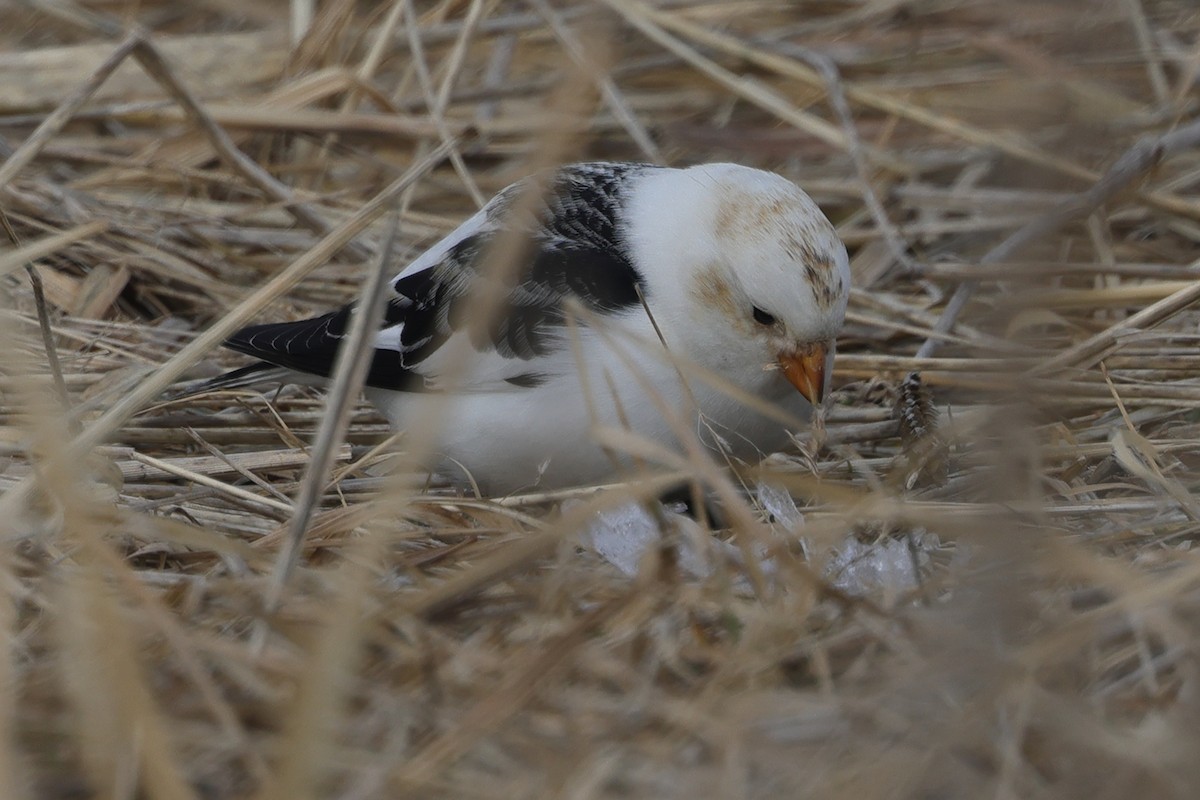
x=761 y=278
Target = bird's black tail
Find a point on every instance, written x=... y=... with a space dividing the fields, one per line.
x=255 y=374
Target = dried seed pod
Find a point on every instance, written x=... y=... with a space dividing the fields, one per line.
x=914 y=410
x=922 y=457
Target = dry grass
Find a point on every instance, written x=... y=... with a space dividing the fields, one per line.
x=428 y=644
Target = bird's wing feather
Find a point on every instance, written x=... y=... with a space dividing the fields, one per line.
x=574 y=249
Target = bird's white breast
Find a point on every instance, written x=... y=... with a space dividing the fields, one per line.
x=545 y=437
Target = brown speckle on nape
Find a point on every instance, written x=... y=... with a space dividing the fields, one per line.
x=826 y=283
x=818 y=264
x=810 y=272
x=828 y=292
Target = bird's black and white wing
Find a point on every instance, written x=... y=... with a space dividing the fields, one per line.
x=575 y=247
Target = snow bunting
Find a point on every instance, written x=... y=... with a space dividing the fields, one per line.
x=724 y=266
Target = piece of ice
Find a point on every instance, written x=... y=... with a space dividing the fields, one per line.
x=859 y=569
x=623 y=536
x=780 y=505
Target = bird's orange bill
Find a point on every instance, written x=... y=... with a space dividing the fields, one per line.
x=806 y=371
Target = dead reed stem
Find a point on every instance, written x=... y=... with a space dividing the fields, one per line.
x=987 y=596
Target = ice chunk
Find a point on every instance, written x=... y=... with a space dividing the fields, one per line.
x=622 y=536
x=860 y=569
x=780 y=505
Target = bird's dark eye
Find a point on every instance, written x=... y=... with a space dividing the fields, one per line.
x=762 y=317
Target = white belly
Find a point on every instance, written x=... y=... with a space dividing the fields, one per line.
x=524 y=439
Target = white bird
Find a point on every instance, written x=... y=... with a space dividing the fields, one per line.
x=738 y=268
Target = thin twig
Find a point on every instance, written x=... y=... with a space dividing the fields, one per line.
x=23 y=255
x=152 y=60
x=43 y=315
x=608 y=88
x=1134 y=163
x=825 y=66
x=1090 y=350
x=435 y=101
x=1016 y=146
x=1145 y=41
x=647 y=21
x=58 y=118
x=353 y=361
x=86 y=19
x=151 y=387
